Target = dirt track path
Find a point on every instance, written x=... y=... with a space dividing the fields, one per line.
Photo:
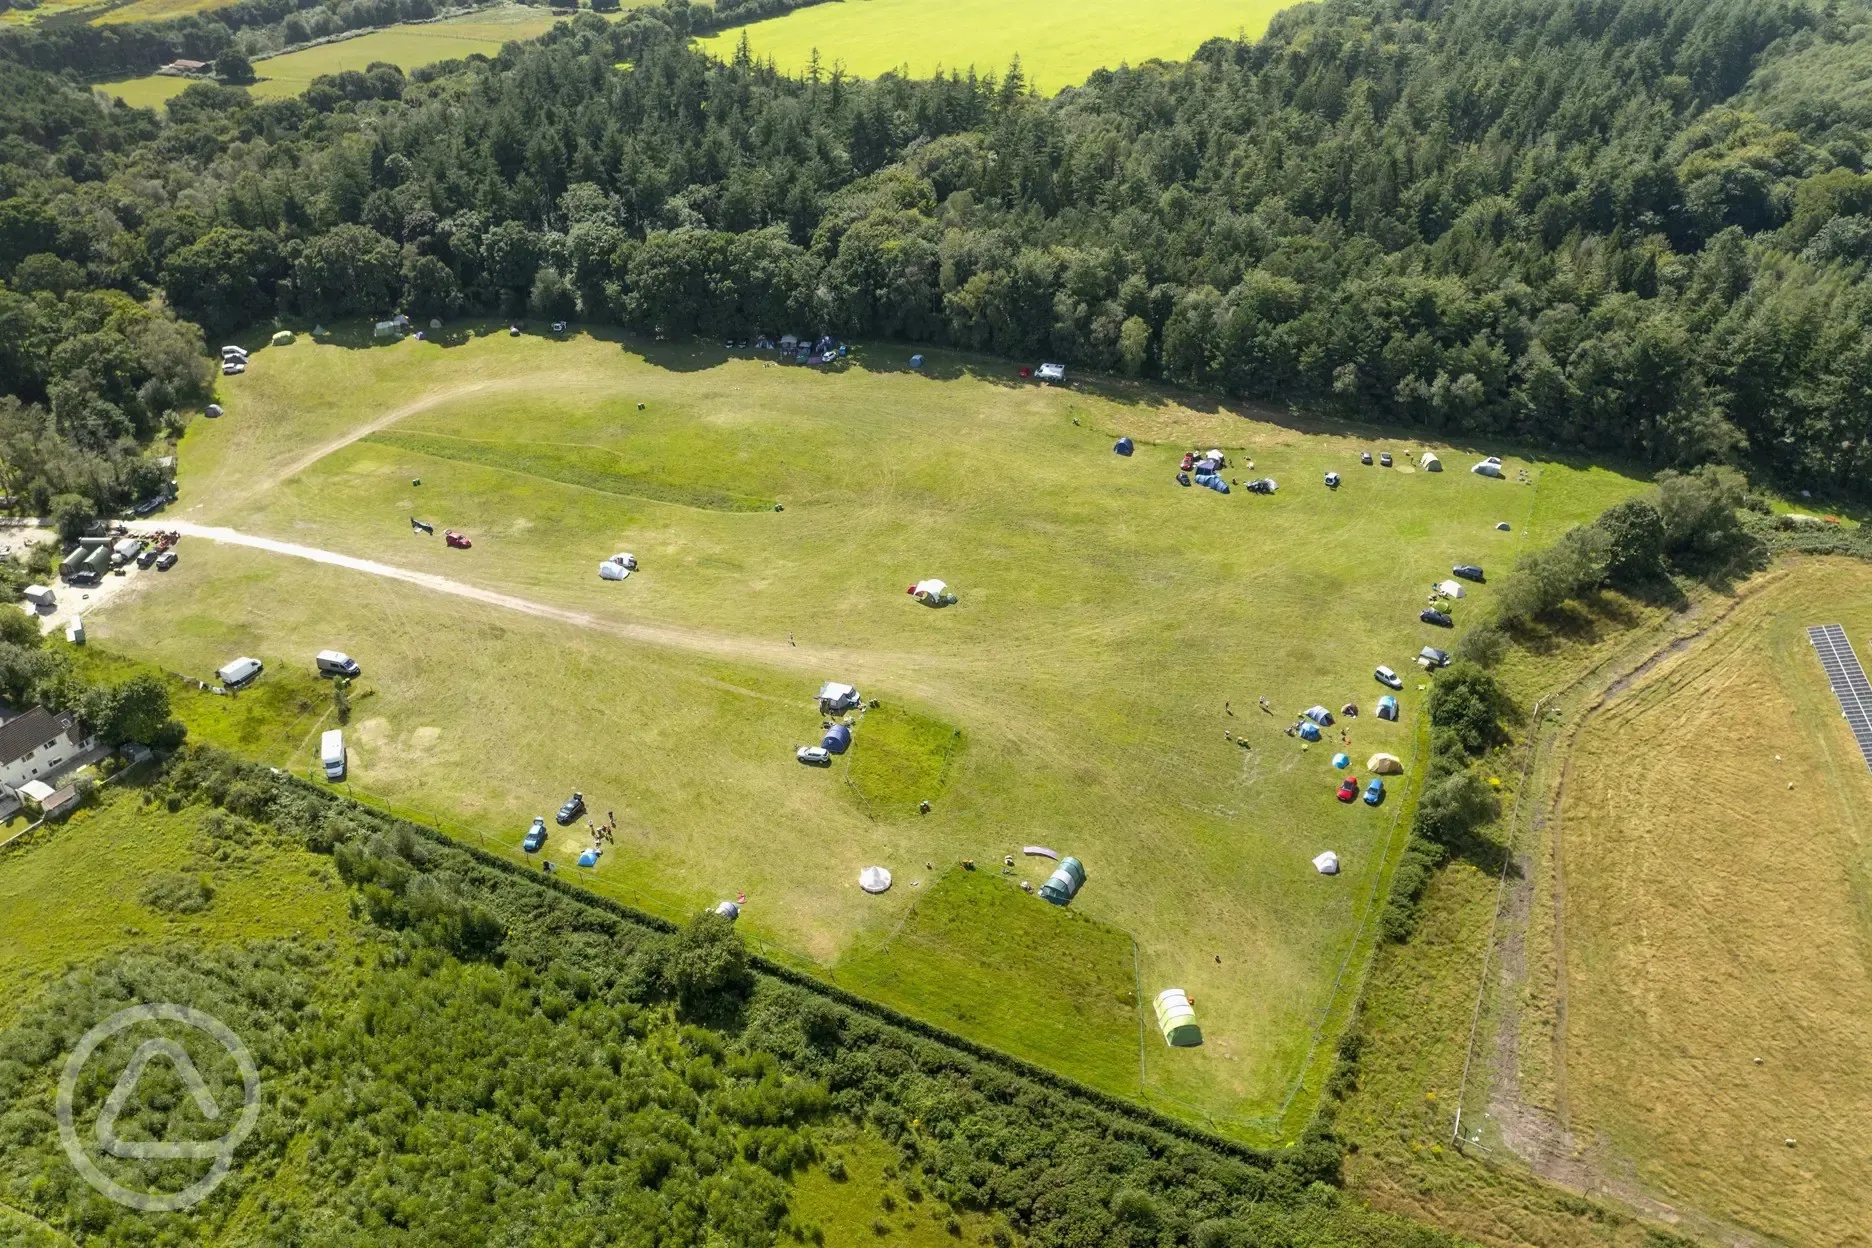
x=897 y=668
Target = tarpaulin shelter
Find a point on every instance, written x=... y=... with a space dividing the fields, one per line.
x=1176 y=1018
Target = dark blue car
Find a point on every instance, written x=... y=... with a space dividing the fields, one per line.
x=536 y=835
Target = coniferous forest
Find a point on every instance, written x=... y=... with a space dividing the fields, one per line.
x=1624 y=227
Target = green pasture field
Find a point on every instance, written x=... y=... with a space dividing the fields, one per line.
x=1075 y=694
x=407 y=47
x=1058 y=44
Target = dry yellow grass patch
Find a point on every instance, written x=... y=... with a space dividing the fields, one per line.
x=1716 y=847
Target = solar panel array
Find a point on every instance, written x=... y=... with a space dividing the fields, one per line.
x=1848 y=680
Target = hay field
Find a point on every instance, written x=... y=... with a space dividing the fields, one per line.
x=1106 y=616
x=407 y=47
x=1058 y=44
x=1718 y=909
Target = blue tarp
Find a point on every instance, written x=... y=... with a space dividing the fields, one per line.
x=837 y=739
x=1309 y=731
x=1123 y=446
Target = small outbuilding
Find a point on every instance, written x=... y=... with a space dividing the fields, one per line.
x=1065 y=882
x=1385 y=765
x=1387 y=707
x=874 y=879
x=1327 y=863
x=1123 y=446
x=1176 y=1018
x=837 y=739
x=1429 y=462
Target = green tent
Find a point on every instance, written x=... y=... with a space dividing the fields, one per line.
x=1176 y=1017
x=1065 y=882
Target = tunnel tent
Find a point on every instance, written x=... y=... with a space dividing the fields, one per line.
x=1387 y=707
x=1123 y=446
x=611 y=570
x=1430 y=463
x=874 y=879
x=1385 y=765
x=837 y=739
x=1327 y=863
x=1065 y=882
x=1319 y=715
x=1176 y=1018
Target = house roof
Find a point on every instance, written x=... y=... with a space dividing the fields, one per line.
x=32 y=730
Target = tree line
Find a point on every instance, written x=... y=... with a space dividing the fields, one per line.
x=1634 y=227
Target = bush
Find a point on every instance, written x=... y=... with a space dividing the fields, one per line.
x=172 y=892
x=1634 y=532
x=1468 y=705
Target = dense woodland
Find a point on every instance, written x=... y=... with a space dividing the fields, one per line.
x=498 y=1060
x=1629 y=227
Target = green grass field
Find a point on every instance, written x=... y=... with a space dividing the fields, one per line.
x=407 y=47
x=1058 y=44
x=1106 y=616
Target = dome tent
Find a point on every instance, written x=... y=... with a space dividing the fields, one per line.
x=1176 y=1018
x=1309 y=731
x=1327 y=863
x=1341 y=761
x=588 y=859
x=1387 y=707
x=728 y=910
x=1385 y=765
x=1065 y=882
x=1124 y=446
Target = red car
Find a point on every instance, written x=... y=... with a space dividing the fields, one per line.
x=458 y=540
x=1348 y=789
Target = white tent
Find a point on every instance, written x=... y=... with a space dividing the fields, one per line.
x=1488 y=468
x=611 y=570
x=1451 y=589
x=1384 y=765
x=931 y=588
x=1430 y=463
x=1327 y=863
x=838 y=697
x=874 y=879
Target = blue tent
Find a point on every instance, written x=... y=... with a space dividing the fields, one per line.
x=1309 y=731
x=1065 y=882
x=589 y=858
x=1342 y=761
x=1210 y=481
x=837 y=739
x=1387 y=707
x=1123 y=446
x=1319 y=715
x=916 y=361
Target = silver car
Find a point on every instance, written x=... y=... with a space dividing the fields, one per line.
x=814 y=755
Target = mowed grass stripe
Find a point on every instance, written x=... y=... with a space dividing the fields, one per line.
x=588 y=467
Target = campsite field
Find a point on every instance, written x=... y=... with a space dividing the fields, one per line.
x=1074 y=698
x=1058 y=44
x=407 y=47
x=1716 y=919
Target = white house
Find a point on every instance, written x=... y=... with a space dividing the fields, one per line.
x=38 y=744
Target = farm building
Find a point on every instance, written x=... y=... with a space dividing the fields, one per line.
x=1430 y=462
x=1065 y=882
x=1176 y=1018
x=184 y=66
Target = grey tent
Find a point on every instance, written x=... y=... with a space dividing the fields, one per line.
x=1065 y=882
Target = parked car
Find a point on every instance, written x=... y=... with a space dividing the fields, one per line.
x=1384 y=459
x=165 y=561
x=458 y=540
x=1364 y=457
x=1374 y=792
x=573 y=808
x=148 y=505
x=1468 y=571
x=1430 y=615
x=1348 y=789
x=1332 y=480
x=230 y=367
x=149 y=556
x=1386 y=676
x=814 y=755
x=536 y=836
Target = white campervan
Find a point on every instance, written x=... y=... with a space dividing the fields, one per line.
x=242 y=671
x=332 y=754
x=335 y=663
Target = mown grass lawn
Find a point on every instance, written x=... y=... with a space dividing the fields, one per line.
x=1106 y=617
x=1058 y=44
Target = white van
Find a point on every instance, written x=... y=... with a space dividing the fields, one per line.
x=332 y=754
x=335 y=663
x=242 y=671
